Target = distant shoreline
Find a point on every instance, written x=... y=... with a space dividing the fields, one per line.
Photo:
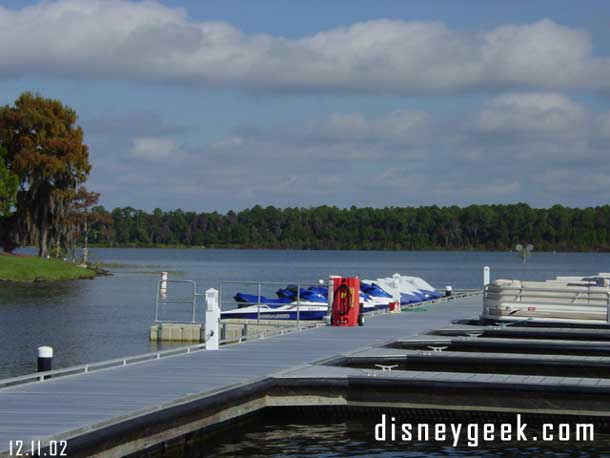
x=261 y=248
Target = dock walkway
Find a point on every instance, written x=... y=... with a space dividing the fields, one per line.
x=73 y=405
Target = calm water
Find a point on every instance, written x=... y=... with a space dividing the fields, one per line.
x=353 y=438
x=109 y=317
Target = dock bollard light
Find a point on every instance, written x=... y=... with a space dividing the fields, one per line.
x=486 y=276
x=45 y=359
x=212 y=319
x=448 y=290
x=163 y=287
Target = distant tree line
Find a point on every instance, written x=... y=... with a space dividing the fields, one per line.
x=487 y=227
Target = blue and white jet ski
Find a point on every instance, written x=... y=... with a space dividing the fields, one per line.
x=244 y=300
x=411 y=289
x=303 y=311
x=422 y=286
x=312 y=303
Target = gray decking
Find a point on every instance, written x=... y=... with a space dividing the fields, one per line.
x=65 y=406
x=495 y=380
x=397 y=354
x=589 y=334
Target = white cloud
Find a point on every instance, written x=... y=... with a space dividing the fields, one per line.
x=533 y=113
x=404 y=157
x=338 y=137
x=510 y=127
x=604 y=125
x=400 y=126
x=147 y=41
x=155 y=148
x=576 y=181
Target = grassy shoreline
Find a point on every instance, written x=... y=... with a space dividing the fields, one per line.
x=32 y=269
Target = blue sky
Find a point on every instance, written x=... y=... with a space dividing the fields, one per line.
x=217 y=105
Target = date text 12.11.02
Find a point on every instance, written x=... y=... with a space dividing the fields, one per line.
x=36 y=448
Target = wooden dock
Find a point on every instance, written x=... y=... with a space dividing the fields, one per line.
x=92 y=405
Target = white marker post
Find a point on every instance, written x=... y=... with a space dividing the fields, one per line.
x=486 y=276
x=396 y=292
x=212 y=320
x=163 y=287
x=45 y=359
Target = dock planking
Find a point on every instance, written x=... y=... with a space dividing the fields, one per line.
x=396 y=354
x=72 y=405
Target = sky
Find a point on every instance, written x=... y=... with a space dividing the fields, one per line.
x=218 y=105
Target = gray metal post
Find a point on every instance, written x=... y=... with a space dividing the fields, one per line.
x=220 y=295
x=258 y=305
x=157 y=303
x=331 y=291
x=194 y=301
x=298 y=304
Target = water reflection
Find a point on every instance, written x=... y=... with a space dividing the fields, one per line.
x=274 y=439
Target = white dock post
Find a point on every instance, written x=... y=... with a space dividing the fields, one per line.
x=212 y=320
x=163 y=288
x=485 y=276
x=396 y=291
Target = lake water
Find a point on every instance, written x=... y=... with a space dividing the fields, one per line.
x=290 y=437
x=109 y=317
